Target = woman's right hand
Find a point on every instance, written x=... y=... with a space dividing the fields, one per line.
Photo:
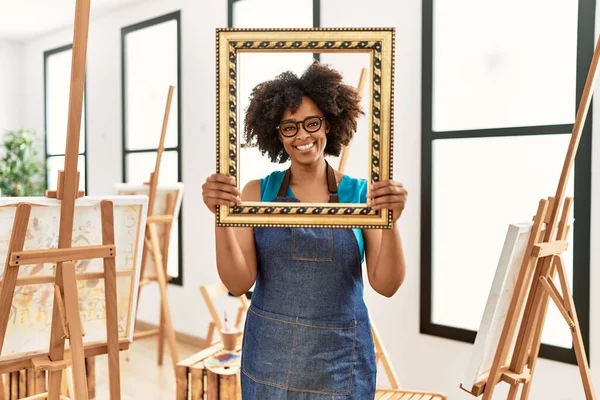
x=220 y=189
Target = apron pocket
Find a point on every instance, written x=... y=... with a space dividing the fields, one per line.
x=323 y=358
x=312 y=244
x=267 y=347
x=299 y=354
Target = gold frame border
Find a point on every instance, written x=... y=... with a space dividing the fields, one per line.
x=380 y=43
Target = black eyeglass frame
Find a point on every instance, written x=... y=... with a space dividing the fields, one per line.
x=320 y=118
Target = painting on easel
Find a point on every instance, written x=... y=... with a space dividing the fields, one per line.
x=161 y=207
x=30 y=319
x=496 y=308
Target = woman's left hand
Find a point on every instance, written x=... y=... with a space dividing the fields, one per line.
x=387 y=194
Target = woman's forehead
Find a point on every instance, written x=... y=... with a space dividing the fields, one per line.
x=307 y=108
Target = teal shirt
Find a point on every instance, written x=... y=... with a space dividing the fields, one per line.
x=350 y=190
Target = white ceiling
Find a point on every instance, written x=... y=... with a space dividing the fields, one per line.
x=24 y=19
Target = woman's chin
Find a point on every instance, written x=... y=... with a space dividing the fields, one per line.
x=307 y=158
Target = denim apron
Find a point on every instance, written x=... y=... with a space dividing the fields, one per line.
x=307 y=333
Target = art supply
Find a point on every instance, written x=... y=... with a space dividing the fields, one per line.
x=224 y=363
x=229 y=335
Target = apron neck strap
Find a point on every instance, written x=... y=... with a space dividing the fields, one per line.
x=331 y=183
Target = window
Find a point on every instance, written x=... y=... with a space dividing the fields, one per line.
x=259 y=67
x=498 y=110
x=57 y=83
x=150 y=64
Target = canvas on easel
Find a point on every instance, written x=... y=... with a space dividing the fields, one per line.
x=164 y=204
x=508 y=343
x=496 y=309
x=30 y=318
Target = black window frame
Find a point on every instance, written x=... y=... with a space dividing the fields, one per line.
x=581 y=179
x=176 y=15
x=47 y=55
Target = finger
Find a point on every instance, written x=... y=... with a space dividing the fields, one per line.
x=382 y=183
x=221 y=178
x=223 y=187
x=390 y=201
x=217 y=195
x=387 y=190
x=213 y=203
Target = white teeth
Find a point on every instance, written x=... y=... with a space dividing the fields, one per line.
x=306 y=146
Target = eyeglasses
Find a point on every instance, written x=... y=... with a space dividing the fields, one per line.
x=310 y=124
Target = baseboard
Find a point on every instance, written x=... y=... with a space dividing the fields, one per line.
x=141 y=326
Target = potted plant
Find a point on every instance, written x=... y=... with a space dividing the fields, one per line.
x=22 y=171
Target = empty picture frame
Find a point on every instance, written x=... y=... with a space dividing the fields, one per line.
x=30 y=319
x=378 y=43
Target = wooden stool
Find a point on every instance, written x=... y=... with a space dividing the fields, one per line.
x=195 y=382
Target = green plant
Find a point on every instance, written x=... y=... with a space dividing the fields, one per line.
x=22 y=171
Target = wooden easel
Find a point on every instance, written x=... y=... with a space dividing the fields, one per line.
x=66 y=320
x=159 y=253
x=346 y=149
x=543 y=257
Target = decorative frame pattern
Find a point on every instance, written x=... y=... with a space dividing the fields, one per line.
x=379 y=42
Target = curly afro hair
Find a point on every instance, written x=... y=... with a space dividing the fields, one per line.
x=324 y=85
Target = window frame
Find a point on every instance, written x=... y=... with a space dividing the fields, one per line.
x=47 y=55
x=581 y=179
x=176 y=16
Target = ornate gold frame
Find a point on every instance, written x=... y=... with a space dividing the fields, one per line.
x=379 y=42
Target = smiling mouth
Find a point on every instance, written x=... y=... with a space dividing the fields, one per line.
x=305 y=147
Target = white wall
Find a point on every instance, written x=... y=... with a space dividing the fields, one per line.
x=11 y=94
x=422 y=361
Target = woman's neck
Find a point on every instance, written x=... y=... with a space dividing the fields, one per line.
x=307 y=174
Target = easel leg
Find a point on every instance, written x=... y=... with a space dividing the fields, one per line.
x=161 y=338
x=9 y=282
x=75 y=333
x=142 y=268
x=582 y=361
x=112 y=316
x=90 y=370
x=170 y=207
x=162 y=283
x=512 y=393
x=537 y=334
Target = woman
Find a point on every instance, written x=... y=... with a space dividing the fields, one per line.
x=307 y=333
